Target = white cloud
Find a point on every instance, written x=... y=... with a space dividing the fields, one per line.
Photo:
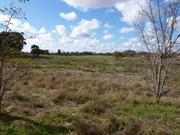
x=108 y=26
x=69 y=16
x=60 y=29
x=79 y=44
x=90 y=4
x=127 y=29
x=171 y=0
x=42 y=30
x=132 y=44
x=65 y=43
x=3 y=18
x=17 y=25
x=44 y=41
x=130 y=9
x=85 y=28
x=83 y=41
x=108 y=37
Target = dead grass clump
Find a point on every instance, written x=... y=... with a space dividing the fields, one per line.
x=41 y=85
x=95 y=107
x=60 y=98
x=133 y=129
x=77 y=98
x=112 y=124
x=19 y=97
x=85 y=129
x=38 y=105
x=112 y=95
x=25 y=83
x=86 y=126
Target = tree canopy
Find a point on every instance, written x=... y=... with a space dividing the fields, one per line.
x=35 y=51
x=11 y=42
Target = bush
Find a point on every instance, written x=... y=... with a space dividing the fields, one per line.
x=95 y=108
x=118 y=55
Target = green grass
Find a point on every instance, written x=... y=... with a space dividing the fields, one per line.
x=99 y=64
x=166 y=114
x=65 y=94
x=23 y=126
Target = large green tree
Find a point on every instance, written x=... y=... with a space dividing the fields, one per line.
x=11 y=43
x=35 y=51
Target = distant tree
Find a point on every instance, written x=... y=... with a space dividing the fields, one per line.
x=11 y=43
x=118 y=55
x=144 y=54
x=44 y=51
x=130 y=53
x=157 y=27
x=35 y=51
x=59 y=52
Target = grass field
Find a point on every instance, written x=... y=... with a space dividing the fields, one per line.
x=90 y=95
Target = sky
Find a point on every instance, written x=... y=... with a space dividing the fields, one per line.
x=79 y=25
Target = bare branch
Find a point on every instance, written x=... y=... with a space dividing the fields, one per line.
x=160 y=39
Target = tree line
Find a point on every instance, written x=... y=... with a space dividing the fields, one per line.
x=36 y=51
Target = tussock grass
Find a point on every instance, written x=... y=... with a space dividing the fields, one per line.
x=88 y=96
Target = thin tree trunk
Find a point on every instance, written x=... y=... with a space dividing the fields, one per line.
x=1 y=87
x=158 y=98
x=1 y=83
x=0 y=105
x=1 y=99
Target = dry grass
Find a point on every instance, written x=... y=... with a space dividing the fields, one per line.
x=88 y=103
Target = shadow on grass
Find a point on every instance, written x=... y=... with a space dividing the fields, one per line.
x=31 y=126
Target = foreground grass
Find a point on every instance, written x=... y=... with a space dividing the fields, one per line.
x=126 y=117
x=89 y=95
x=19 y=125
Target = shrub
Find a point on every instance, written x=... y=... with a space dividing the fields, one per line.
x=95 y=108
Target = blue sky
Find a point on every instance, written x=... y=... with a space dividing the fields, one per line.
x=78 y=25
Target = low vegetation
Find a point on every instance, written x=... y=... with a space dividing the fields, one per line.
x=89 y=95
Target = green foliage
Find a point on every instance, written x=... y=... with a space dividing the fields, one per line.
x=126 y=53
x=44 y=51
x=11 y=43
x=10 y=125
x=118 y=55
x=129 y=53
x=35 y=51
x=59 y=52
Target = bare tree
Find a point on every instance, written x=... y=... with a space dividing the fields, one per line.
x=159 y=31
x=11 y=43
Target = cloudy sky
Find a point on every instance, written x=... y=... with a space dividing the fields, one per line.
x=79 y=25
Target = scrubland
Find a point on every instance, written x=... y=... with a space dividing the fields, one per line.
x=90 y=95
